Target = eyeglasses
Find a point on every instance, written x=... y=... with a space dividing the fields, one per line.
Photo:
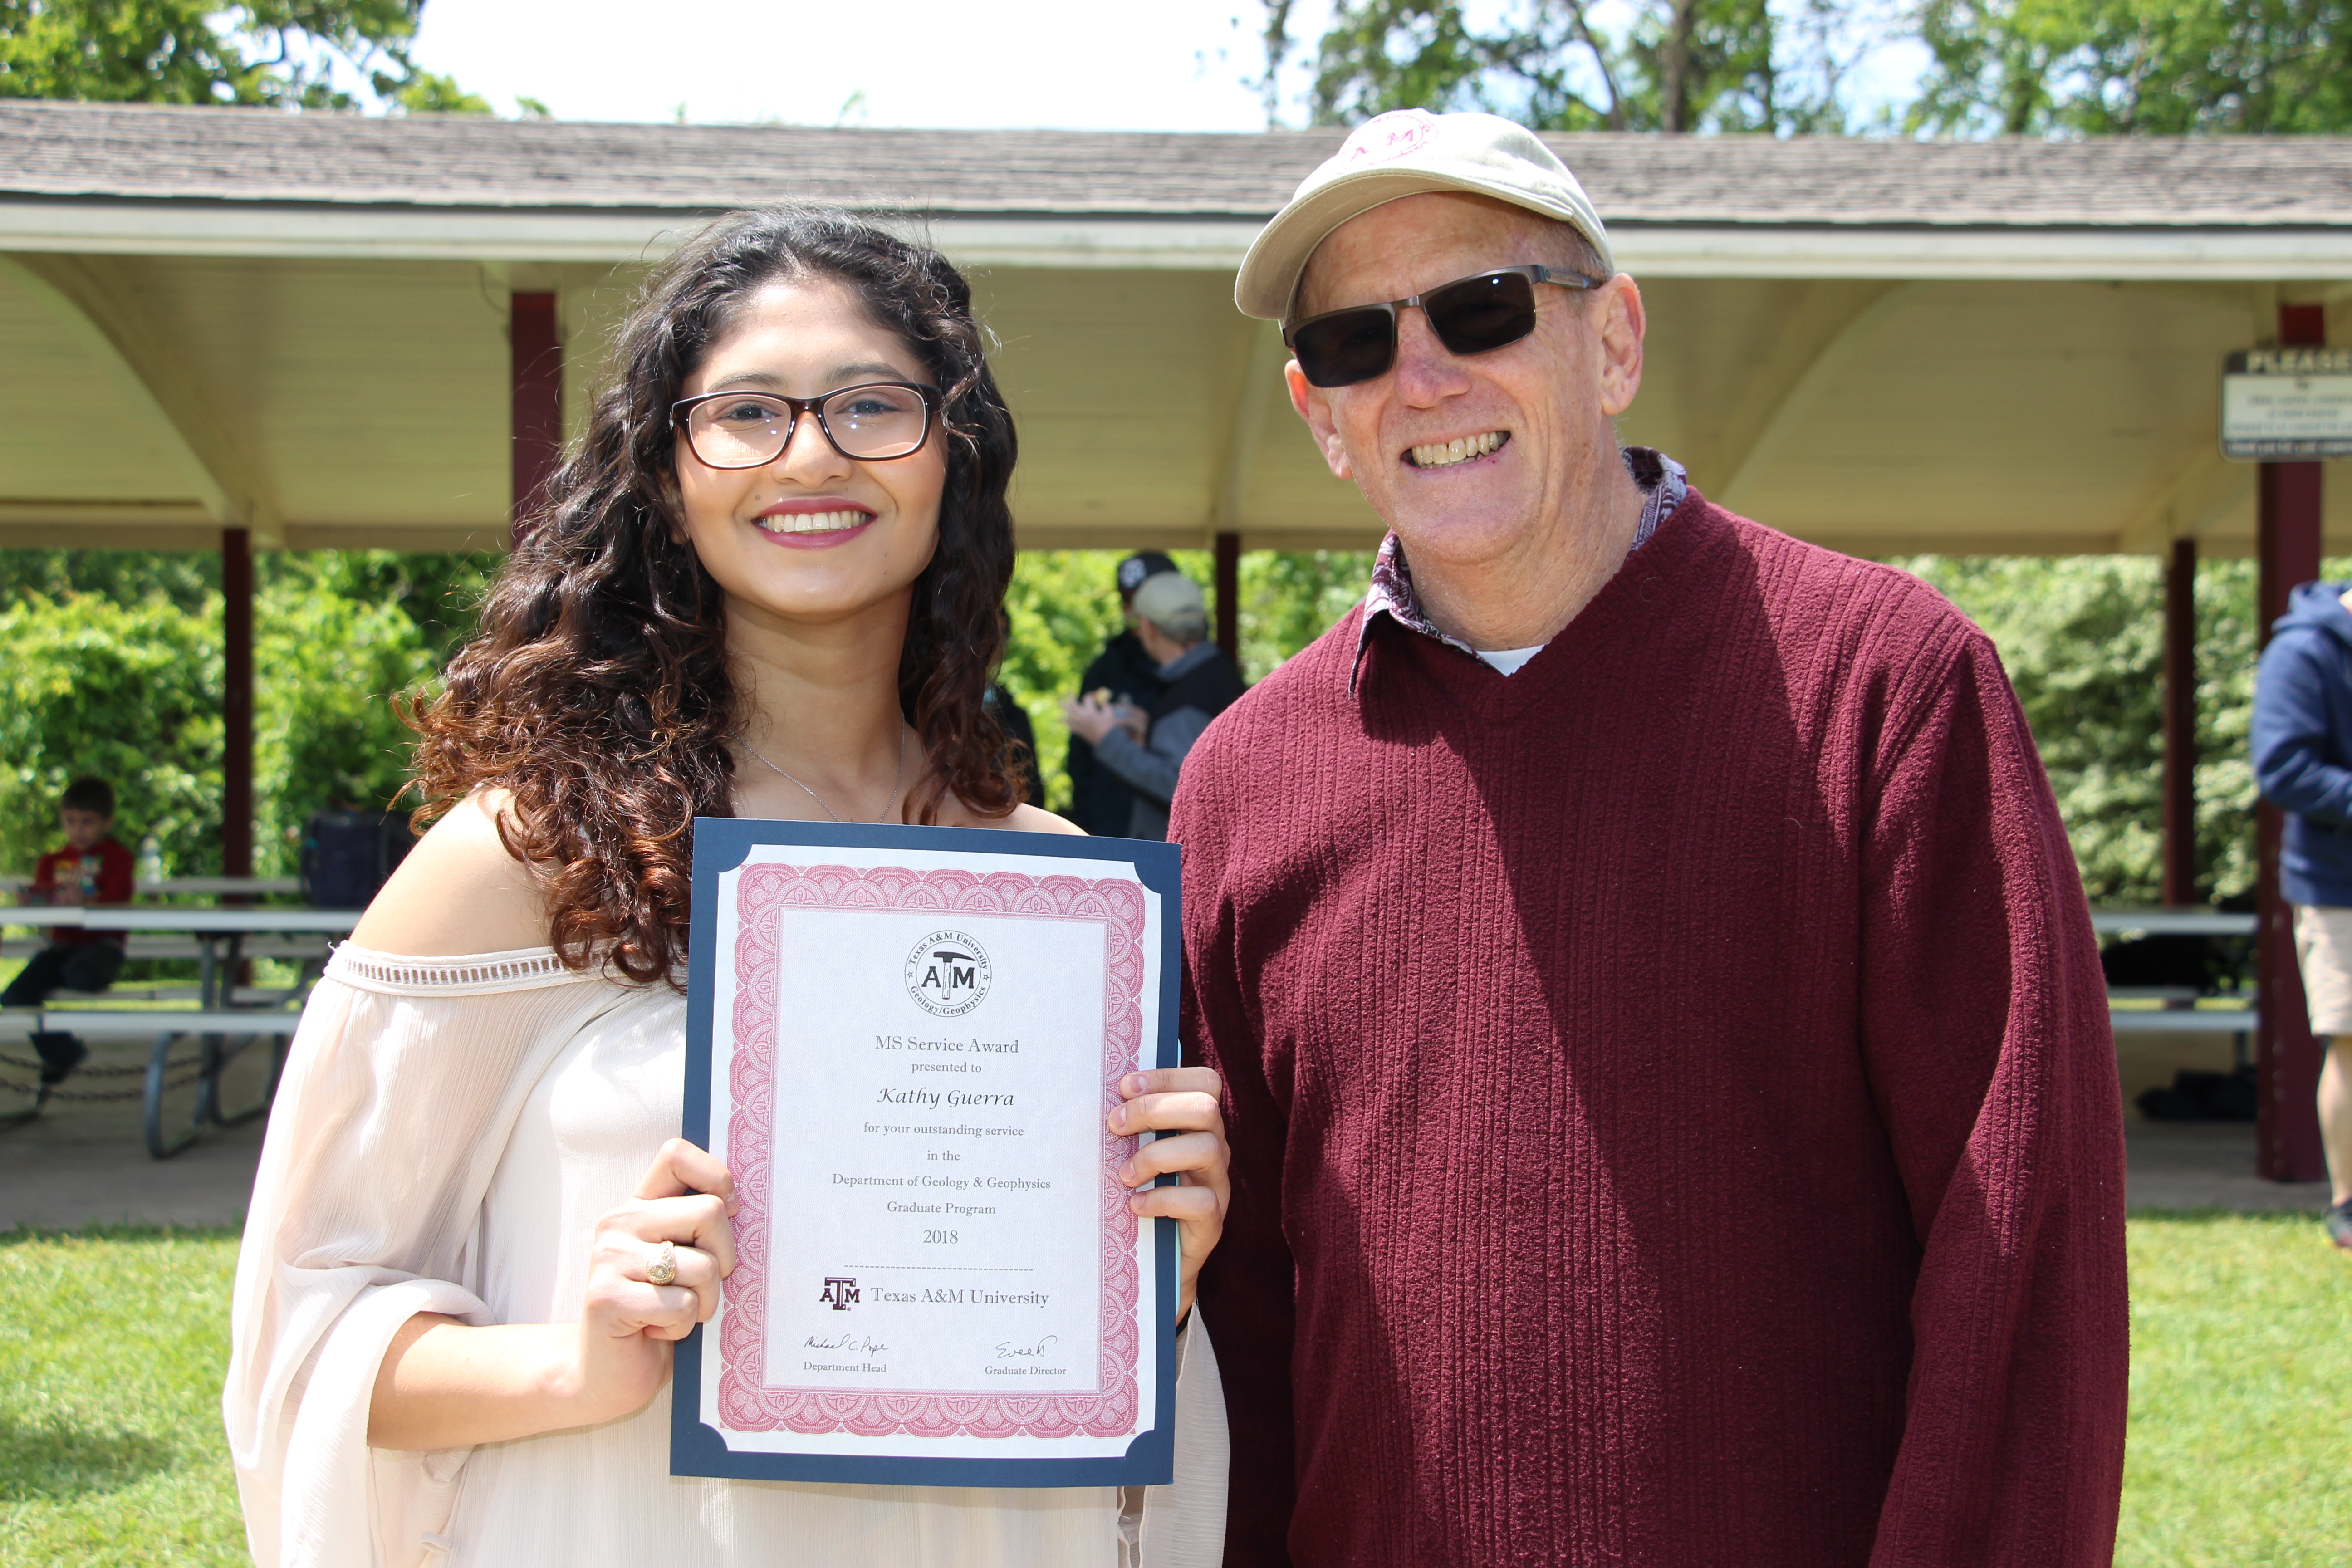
x=870 y=422
x=1469 y=315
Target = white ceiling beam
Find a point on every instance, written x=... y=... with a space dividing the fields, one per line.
x=1818 y=348
x=93 y=299
x=1824 y=310
x=1262 y=373
x=2200 y=492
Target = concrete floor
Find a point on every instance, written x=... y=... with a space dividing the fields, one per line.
x=2195 y=1164
x=82 y=1164
x=86 y=1163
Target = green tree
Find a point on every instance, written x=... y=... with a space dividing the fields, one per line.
x=128 y=692
x=2031 y=68
x=1571 y=65
x=2082 y=640
x=280 y=53
x=187 y=578
x=340 y=635
x=1289 y=598
x=109 y=663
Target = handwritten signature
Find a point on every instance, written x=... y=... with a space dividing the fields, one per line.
x=1007 y=1351
x=855 y=1342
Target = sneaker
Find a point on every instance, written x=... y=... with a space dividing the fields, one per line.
x=60 y=1054
x=2338 y=1221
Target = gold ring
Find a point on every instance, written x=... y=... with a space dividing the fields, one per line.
x=664 y=1268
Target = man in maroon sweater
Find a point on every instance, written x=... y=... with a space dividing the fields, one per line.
x=1674 y=1113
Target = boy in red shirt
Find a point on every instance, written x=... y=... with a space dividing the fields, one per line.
x=92 y=869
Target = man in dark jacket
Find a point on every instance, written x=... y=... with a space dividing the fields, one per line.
x=2303 y=763
x=1101 y=801
x=1198 y=682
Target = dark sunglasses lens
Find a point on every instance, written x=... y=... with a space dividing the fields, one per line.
x=1482 y=313
x=1347 y=348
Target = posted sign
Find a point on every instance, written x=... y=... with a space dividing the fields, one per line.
x=2283 y=404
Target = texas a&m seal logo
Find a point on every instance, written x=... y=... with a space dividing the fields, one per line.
x=947 y=974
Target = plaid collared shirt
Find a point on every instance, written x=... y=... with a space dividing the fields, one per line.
x=1664 y=487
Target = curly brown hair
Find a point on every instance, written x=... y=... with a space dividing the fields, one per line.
x=598 y=690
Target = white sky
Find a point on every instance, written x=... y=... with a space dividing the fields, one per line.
x=1172 y=64
x=1175 y=65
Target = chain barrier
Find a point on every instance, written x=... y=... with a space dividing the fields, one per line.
x=139 y=1071
x=187 y=1072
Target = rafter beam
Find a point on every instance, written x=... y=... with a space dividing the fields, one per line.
x=1833 y=323
x=1261 y=374
x=95 y=300
x=2200 y=492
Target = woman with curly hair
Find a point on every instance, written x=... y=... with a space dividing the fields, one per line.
x=767 y=585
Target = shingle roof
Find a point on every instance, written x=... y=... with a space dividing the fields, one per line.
x=142 y=151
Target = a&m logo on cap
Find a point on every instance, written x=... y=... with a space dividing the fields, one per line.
x=1390 y=136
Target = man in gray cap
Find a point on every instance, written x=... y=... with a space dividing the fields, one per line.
x=1195 y=682
x=1674 y=1112
x=1123 y=675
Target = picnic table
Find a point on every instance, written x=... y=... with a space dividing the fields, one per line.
x=2180 y=919
x=2176 y=1011
x=221 y=1029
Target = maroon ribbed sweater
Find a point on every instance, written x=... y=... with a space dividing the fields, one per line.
x=1674 y=1112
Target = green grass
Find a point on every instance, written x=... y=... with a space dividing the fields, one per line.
x=113 y=1344
x=112 y=1347
x=2241 y=1443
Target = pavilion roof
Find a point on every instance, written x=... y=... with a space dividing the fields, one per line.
x=183 y=154
x=299 y=321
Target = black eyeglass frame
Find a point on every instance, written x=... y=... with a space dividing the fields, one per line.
x=1534 y=272
x=683 y=409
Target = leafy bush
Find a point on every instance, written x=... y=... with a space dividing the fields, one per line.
x=2082 y=640
x=111 y=664
x=326 y=666
x=128 y=692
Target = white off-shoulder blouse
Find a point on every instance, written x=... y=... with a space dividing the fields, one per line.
x=447 y=1134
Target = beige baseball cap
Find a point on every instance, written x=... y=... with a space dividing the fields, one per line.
x=1165 y=597
x=1404 y=153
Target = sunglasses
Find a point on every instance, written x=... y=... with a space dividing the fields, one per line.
x=1469 y=315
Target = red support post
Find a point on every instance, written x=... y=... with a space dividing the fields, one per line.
x=535 y=343
x=1229 y=596
x=2286 y=1060
x=2180 y=725
x=236 y=702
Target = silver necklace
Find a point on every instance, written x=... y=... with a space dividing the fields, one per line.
x=896 y=778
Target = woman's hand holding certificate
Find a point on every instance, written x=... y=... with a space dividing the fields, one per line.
x=627 y=1320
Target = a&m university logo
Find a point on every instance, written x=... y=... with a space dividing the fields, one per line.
x=947 y=974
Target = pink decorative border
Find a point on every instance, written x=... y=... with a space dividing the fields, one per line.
x=746 y=1401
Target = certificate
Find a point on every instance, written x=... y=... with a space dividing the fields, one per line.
x=904 y=1043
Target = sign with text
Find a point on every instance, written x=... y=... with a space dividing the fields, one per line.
x=2286 y=404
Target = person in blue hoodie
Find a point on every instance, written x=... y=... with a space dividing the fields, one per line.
x=2302 y=764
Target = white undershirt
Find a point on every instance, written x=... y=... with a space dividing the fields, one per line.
x=1508 y=659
